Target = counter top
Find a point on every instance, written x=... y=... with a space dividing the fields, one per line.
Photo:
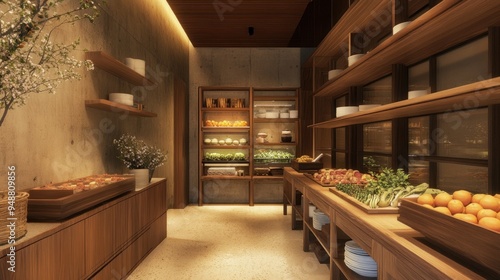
x=384 y=231
x=39 y=230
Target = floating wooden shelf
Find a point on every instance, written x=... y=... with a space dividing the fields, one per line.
x=115 y=67
x=106 y=105
x=480 y=94
x=447 y=24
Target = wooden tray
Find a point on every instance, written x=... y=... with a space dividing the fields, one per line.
x=310 y=176
x=473 y=242
x=306 y=166
x=355 y=202
x=54 y=205
x=362 y=206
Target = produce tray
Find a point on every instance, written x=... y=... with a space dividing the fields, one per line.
x=55 y=205
x=362 y=206
x=306 y=166
x=478 y=245
x=310 y=176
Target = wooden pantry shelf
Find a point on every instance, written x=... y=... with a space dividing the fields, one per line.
x=447 y=24
x=469 y=96
x=111 y=65
x=106 y=105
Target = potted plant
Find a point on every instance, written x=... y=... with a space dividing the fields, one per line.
x=140 y=158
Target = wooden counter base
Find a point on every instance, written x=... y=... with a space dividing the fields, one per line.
x=106 y=242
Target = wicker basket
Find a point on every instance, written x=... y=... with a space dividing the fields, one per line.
x=20 y=215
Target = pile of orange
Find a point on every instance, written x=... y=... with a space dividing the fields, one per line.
x=481 y=209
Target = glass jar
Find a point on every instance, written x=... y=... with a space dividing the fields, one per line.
x=286 y=136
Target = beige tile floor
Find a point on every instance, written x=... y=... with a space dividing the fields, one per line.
x=230 y=242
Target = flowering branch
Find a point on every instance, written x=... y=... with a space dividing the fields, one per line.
x=29 y=61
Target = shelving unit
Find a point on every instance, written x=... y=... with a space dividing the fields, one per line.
x=216 y=108
x=122 y=71
x=436 y=28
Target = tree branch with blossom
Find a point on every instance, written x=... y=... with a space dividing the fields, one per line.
x=29 y=61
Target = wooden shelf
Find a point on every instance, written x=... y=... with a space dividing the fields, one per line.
x=225 y=109
x=447 y=24
x=265 y=120
x=106 y=105
x=227 y=177
x=481 y=94
x=115 y=67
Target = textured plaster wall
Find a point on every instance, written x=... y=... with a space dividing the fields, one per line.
x=55 y=137
x=256 y=67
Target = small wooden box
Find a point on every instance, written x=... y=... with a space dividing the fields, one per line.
x=478 y=245
x=306 y=166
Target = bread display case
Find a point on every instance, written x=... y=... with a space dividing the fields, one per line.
x=59 y=201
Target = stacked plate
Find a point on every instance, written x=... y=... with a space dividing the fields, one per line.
x=319 y=219
x=359 y=261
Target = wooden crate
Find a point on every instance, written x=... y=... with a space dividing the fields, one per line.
x=54 y=205
x=306 y=166
x=479 y=245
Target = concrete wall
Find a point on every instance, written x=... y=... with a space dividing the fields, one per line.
x=55 y=137
x=257 y=67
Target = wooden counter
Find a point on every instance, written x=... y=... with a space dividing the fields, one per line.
x=398 y=249
x=105 y=242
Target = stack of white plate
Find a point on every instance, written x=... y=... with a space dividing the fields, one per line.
x=359 y=261
x=319 y=219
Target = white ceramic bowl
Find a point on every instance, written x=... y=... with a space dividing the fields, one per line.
x=399 y=27
x=417 y=93
x=122 y=98
x=346 y=110
x=284 y=115
x=334 y=73
x=272 y=115
x=294 y=114
x=353 y=58
x=367 y=107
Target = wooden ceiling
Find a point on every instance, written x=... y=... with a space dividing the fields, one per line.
x=226 y=23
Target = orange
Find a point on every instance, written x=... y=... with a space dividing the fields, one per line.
x=473 y=208
x=498 y=215
x=485 y=213
x=428 y=206
x=456 y=206
x=426 y=198
x=443 y=210
x=489 y=202
x=477 y=197
x=466 y=217
x=463 y=195
x=490 y=223
x=497 y=195
x=442 y=199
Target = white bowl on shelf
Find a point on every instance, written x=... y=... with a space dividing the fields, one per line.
x=417 y=93
x=272 y=115
x=122 y=98
x=353 y=58
x=284 y=115
x=365 y=107
x=399 y=27
x=334 y=73
x=346 y=110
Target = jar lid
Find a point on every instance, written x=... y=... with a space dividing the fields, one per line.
x=286 y=132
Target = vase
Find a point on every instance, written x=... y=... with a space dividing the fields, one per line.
x=141 y=177
x=151 y=171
